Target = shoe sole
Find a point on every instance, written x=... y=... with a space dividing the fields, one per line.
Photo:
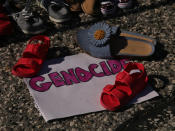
x=51 y=18
x=58 y=20
x=33 y=33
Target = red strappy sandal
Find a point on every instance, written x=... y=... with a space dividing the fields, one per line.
x=131 y=81
x=5 y=24
x=33 y=57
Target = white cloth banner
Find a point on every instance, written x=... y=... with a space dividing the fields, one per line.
x=72 y=85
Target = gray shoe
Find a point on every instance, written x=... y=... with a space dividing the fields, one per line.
x=27 y=21
x=58 y=11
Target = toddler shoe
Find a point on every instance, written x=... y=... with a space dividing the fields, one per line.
x=57 y=10
x=33 y=57
x=108 y=7
x=28 y=22
x=104 y=41
x=129 y=83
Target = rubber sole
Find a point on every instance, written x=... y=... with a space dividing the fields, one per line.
x=58 y=20
x=33 y=33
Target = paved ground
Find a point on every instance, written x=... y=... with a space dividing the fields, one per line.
x=155 y=18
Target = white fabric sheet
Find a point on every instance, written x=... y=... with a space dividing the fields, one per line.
x=72 y=85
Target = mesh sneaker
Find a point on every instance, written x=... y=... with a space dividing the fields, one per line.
x=28 y=22
x=58 y=11
x=124 y=4
x=108 y=7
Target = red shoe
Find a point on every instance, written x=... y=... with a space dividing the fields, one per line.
x=5 y=24
x=32 y=58
x=131 y=81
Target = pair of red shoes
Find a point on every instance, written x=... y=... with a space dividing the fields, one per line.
x=6 y=27
x=130 y=82
x=33 y=56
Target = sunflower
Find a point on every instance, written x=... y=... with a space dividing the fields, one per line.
x=99 y=34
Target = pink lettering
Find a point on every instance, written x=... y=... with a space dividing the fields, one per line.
x=91 y=69
x=123 y=62
x=56 y=79
x=69 y=77
x=43 y=86
x=83 y=75
x=115 y=66
x=105 y=68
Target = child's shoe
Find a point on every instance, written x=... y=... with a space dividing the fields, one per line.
x=57 y=10
x=28 y=22
x=108 y=7
x=129 y=83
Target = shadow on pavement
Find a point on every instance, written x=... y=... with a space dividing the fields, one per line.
x=56 y=52
x=144 y=119
x=155 y=110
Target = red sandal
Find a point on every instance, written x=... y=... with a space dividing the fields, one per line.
x=5 y=24
x=131 y=81
x=33 y=57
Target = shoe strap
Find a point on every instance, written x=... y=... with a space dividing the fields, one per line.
x=35 y=51
x=44 y=39
x=28 y=62
x=121 y=87
x=38 y=50
x=25 y=63
x=124 y=78
x=116 y=93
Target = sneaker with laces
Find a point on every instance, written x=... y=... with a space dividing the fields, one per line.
x=108 y=7
x=28 y=22
x=58 y=11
